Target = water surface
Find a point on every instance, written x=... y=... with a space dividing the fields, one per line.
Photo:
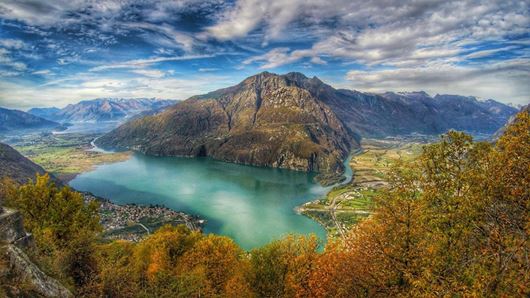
x=250 y=204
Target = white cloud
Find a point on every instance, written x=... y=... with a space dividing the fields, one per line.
x=152 y=73
x=141 y=63
x=15 y=66
x=42 y=72
x=380 y=32
x=12 y=43
x=507 y=81
x=85 y=86
x=209 y=69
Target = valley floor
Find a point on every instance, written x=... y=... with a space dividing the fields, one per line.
x=64 y=155
x=348 y=203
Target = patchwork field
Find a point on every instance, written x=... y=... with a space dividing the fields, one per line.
x=347 y=204
x=64 y=155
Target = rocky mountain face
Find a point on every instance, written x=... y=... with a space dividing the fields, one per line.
x=266 y=120
x=11 y=120
x=390 y=113
x=102 y=109
x=291 y=121
x=16 y=166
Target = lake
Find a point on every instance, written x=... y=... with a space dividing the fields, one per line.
x=252 y=205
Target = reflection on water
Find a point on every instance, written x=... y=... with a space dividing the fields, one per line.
x=250 y=204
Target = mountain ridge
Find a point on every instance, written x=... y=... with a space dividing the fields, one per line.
x=102 y=109
x=255 y=122
x=265 y=120
x=13 y=120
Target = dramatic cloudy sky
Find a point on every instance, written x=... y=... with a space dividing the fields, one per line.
x=55 y=52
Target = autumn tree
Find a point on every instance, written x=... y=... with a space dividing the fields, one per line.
x=282 y=268
x=64 y=227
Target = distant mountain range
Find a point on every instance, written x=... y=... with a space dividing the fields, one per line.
x=102 y=109
x=389 y=114
x=291 y=121
x=12 y=120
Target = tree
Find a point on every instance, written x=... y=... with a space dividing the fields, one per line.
x=281 y=268
x=64 y=227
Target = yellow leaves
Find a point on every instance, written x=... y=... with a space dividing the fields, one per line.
x=455 y=223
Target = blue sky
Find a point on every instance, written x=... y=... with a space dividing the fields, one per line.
x=57 y=52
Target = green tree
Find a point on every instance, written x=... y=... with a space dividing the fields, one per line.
x=64 y=226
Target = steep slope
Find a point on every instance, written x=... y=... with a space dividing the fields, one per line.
x=469 y=114
x=500 y=132
x=16 y=120
x=380 y=115
x=16 y=166
x=291 y=121
x=102 y=109
x=266 y=120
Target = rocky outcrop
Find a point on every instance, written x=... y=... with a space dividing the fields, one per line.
x=42 y=283
x=266 y=120
x=12 y=228
x=12 y=238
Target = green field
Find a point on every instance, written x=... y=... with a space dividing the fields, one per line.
x=347 y=204
x=65 y=155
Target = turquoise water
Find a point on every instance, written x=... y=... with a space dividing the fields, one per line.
x=252 y=205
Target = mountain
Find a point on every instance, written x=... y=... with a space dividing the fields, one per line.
x=102 y=109
x=291 y=121
x=16 y=166
x=16 y=120
x=390 y=113
x=500 y=132
x=46 y=113
x=266 y=120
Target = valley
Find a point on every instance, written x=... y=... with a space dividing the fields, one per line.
x=348 y=203
x=64 y=155
x=336 y=208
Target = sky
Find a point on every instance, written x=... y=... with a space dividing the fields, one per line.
x=57 y=52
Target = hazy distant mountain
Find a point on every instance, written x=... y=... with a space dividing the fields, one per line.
x=16 y=120
x=291 y=121
x=404 y=113
x=102 y=109
x=46 y=113
x=265 y=120
x=498 y=133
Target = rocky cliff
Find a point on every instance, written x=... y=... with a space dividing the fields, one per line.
x=266 y=120
x=16 y=265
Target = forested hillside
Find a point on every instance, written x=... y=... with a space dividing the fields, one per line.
x=453 y=222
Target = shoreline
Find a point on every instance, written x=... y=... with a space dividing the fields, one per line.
x=135 y=221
